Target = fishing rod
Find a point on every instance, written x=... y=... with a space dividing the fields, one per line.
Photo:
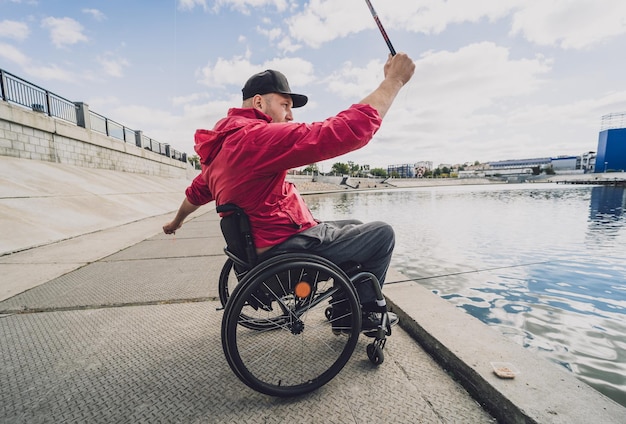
x=468 y=272
x=380 y=27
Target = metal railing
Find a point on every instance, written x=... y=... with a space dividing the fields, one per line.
x=97 y=123
x=613 y=121
x=18 y=91
x=21 y=92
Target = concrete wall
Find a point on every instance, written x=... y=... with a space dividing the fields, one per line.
x=59 y=181
x=32 y=135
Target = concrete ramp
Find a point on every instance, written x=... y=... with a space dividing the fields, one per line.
x=45 y=202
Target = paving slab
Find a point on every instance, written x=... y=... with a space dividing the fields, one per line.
x=164 y=363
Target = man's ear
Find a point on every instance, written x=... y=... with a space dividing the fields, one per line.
x=257 y=102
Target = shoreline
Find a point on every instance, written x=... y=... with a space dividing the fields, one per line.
x=307 y=185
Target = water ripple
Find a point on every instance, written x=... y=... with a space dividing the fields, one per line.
x=544 y=264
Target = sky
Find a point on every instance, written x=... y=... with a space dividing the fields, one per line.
x=494 y=79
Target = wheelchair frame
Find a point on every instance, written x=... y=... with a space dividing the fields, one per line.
x=292 y=320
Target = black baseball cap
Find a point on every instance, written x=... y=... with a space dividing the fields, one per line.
x=271 y=81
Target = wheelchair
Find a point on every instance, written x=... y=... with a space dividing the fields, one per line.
x=291 y=320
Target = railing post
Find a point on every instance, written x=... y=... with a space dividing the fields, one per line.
x=138 y=136
x=2 y=89
x=48 y=103
x=82 y=115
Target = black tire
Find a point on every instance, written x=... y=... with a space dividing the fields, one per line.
x=222 y=285
x=375 y=354
x=228 y=281
x=298 y=351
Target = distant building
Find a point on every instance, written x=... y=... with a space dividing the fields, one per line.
x=402 y=171
x=527 y=167
x=410 y=170
x=611 y=154
x=588 y=161
x=520 y=163
x=565 y=163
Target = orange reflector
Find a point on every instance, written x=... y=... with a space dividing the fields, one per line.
x=302 y=289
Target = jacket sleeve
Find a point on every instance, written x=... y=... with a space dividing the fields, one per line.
x=198 y=192
x=277 y=147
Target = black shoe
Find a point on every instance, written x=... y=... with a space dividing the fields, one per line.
x=341 y=321
x=371 y=320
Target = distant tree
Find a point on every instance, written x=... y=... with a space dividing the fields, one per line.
x=354 y=169
x=311 y=169
x=340 y=168
x=378 y=172
x=195 y=161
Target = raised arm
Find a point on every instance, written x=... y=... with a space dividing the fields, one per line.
x=398 y=71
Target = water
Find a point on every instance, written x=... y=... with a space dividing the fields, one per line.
x=543 y=263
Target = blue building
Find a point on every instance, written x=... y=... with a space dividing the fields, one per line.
x=611 y=154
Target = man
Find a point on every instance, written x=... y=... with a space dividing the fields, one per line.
x=245 y=159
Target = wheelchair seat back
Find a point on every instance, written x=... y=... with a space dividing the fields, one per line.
x=237 y=233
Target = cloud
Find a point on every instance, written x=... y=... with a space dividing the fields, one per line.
x=111 y=65
x=244 y=6
x=483 y=72
x=96 y=14
x=435 y=16
x=15 y=30
x=323 y=21
x=225 y=72
x=235 y=72
x=271 y=34
x=64 y=31
x=52 y=73
x=46 y=73
x=12 y=54
x=570 y=24
x=191 y=4
x=349 y=81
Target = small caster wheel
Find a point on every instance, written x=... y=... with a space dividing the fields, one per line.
x=375 y=354
x=329 y=313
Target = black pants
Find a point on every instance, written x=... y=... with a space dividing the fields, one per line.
x=370 y=244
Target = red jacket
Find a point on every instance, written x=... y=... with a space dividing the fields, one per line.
x=245 y=160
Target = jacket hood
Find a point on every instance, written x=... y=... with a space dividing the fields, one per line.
x=208 y=143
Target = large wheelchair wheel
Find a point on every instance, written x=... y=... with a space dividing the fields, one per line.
x=227 y=274
x=299 y=349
